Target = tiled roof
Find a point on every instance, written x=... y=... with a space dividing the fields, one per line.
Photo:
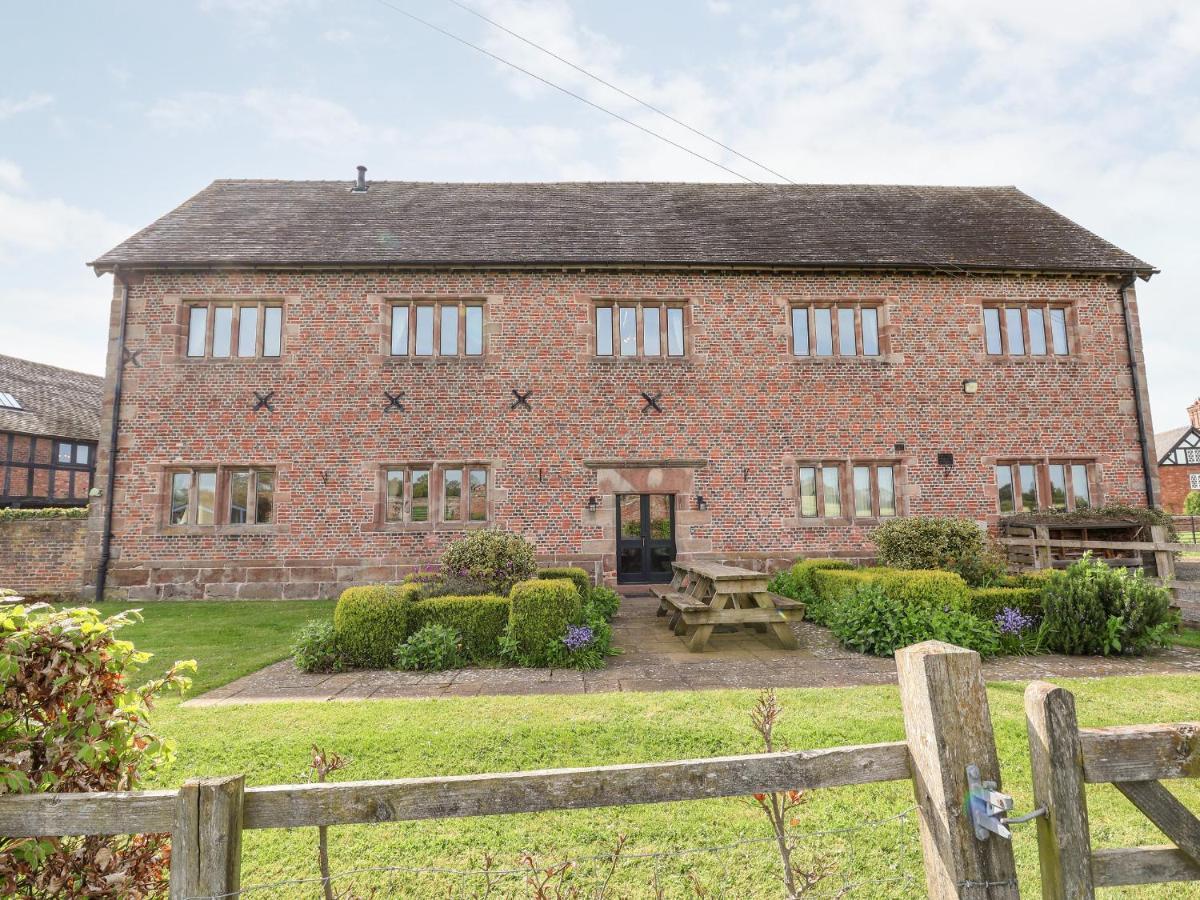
x=54 y=402
x=324 y=223
x=1165 y=440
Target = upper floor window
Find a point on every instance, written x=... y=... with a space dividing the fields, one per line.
x=1027 y=486
x=221 y=496
x=70 y=454
x=841 y=330
x=1026 y=330
x=437 y=328
x=460 y=491
x=645 y=328
x=837 y=490
x=220 y=329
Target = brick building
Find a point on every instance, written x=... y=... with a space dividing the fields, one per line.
x=1178 y=453
x=49 y=428
x=336 y=379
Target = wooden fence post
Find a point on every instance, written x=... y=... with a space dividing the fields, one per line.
x=206 y=840
x=1164 y=560
x=1042 y=553
x=1056 y=758
x=948 y=727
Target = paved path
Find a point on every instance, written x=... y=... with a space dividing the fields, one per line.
x=656 y=660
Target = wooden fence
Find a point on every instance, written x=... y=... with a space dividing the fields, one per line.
x=1031 y=548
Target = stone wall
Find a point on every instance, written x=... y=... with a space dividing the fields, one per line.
x=42 y=556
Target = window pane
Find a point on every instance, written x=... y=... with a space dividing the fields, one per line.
x=887 y=490
x=1016 y=331
x=847 y=345
x=823 y=325
x=393 y=509
x=420 y=495
x=181 y=487
x=264 y=495
x=1004 y=489
x=206 y=497
x=452 y=494
x=628 y=330
x=399 y=331
x=1037 y=331
x=222 y=330
x=424 y=331
x=477 y=499
x=64 y=453
x=1029 y=491
x=808 y=491
x=1058 y=486
x=81 y=454
x=474 y=343
x=674 y=331
x=832 y=483
x=1079 y=486
x=870 y=331
x=449 y=331
x=862 y=491
x=248 y=331
x=1058 y=330
x=800 y=330
x=272 y=330
x=991 y=330
x=604 y=331
x=197 y=323
x=239 y=497
x=650 y=344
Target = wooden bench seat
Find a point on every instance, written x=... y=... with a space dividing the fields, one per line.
x=782 y=602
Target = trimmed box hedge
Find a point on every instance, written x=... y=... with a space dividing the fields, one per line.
x=903 y=586
x=540 y=612
x=479 y=619
x=581 y=579
x=371 y=621
x=987 y=603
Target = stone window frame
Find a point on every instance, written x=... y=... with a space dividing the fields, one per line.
x=1024 y=305
x=221 y=499
x=389 y=301
x=845 y=467
x=436 y=469
x=1042 y=466
x=883 y=331
x=640 y=302
x=186 y=302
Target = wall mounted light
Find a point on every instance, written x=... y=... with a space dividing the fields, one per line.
x=701 y=503
x=593 y=504
x=946 y=460
x=970 y=386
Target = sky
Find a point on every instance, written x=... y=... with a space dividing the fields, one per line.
x=111 y=114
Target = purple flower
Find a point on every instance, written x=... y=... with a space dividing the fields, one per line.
x=578 y=637
x=1013 y=621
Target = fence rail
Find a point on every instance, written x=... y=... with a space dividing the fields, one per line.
x=1031 y=547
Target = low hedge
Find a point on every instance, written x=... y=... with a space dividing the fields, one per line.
x=987 y=603
x=581 y=579
x=904 y=586
x=831 y=586
x=480 y=619
x=370 y=622
x=540 y=611
x=797 y=582
x=15 y=513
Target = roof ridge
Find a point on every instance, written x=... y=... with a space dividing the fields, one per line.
x=42 y=365
x=605 y=182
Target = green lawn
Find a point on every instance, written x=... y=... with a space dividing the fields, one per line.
x=1188 y=637
x=388 y=739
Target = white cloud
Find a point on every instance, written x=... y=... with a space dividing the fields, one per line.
x=46 y=224
x=9 y=108
x=11 y=178
x=719 y=7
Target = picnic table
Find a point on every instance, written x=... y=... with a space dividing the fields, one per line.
x=703 y=595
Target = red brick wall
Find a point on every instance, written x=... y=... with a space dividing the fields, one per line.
x=42 y=556
x=738 y=402
x=1175 y=486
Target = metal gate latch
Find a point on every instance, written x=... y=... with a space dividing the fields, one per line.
x=987 y=807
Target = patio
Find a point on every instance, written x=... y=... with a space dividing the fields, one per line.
x=656 y=660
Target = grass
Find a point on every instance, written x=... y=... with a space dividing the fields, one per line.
x=1188 y=637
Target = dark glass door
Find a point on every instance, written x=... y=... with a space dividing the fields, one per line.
x=645 y=538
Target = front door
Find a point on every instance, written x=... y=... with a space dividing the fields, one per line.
x=645 y=538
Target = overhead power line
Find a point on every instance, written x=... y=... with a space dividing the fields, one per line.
x=567 y=91
x=619 y=90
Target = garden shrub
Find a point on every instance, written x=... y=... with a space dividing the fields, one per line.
x=491 y=555
x=315 y=648
x=454 y=586
x=13 y=513
x=70 y=722
x=831 y=586
x=480 y=621
x=797 y=582
x=605 y=601
x=871 y=621
x=1091 y=608
x=940 y=542
x=582 y=580
x=988 y=602
x=919 y=586
x=370 y=622
x=541 y=610
x=431 y=648
x=1191 y=504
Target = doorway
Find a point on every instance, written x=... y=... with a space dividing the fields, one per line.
x=645 y=538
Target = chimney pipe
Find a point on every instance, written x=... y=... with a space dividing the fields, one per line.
x=360 y=186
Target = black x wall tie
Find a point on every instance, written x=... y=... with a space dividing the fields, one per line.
x=264 y=401
x=522 y=400
x=651 y=402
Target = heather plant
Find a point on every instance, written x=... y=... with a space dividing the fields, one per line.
x=940 y=542
x=71 y=722
x=498 y=558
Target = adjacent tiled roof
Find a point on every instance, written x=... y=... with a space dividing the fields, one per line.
x=1164 y=441
x=54 y=402
x=266 y=223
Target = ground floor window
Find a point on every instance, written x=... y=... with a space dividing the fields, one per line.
x=845 y=490
x=459 y=489
x=1029 y=485
x=251 y=498
x=214 y=496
